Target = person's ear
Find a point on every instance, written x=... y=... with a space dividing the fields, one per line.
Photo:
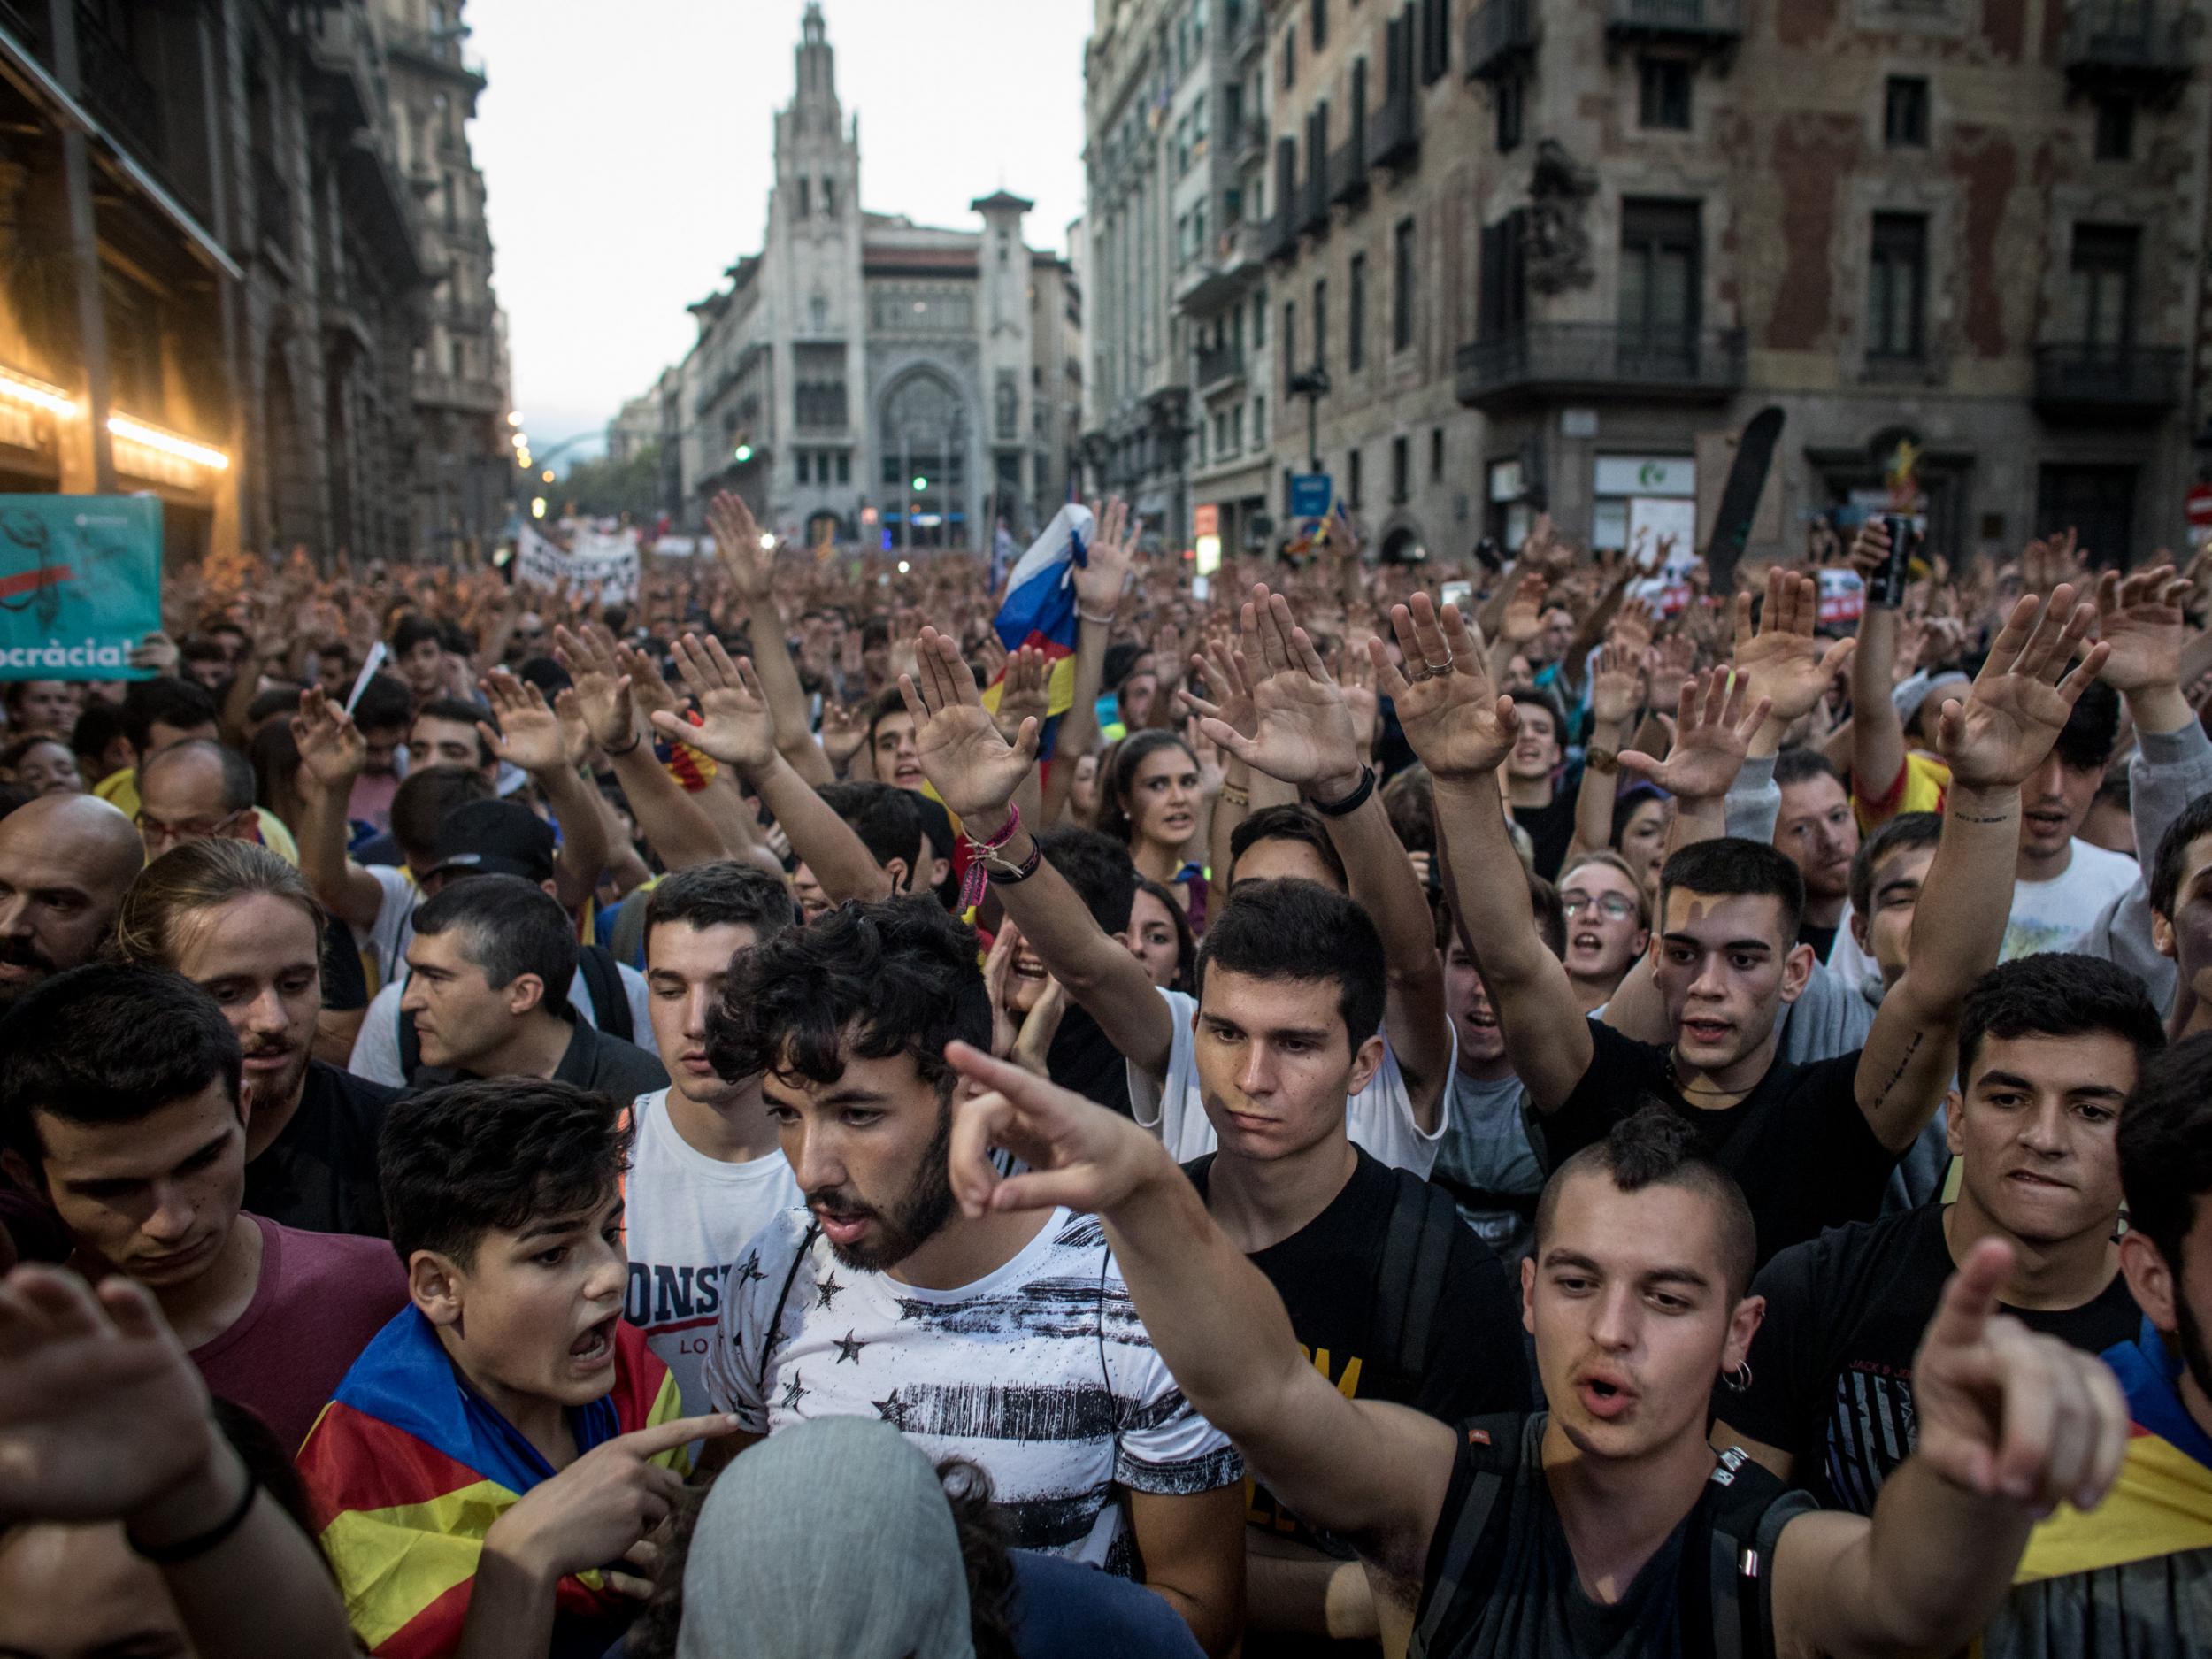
x=525 y=993
x=1643 y=942
x=2162 y=938
x=898 y=871
x=437 y=1286
x=1954 y=1130
x=1743 y=1325
x=2150 y=1280
x=1366 y=1060
x=1858 y=929
x=1797 y=973
x=1528 y=1295
x=31 y=1178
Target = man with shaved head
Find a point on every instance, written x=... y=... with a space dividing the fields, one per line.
x=65 y=863
x=196 y=790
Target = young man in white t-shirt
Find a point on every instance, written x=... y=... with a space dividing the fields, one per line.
x=1008 y=1340
x=2061 y=882
x=707 y=1170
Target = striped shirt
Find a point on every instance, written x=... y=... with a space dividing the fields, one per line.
x=1040 y=1373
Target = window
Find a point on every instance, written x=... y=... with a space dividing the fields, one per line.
x=1663 y=94
x=1321 y=326
x=1660 y=249
x=2097 y=501
x=800 y=459
x=2100 y=287
x=1290 y=58
x=844 y=466
x=829 y=198
x=1289 y=353
x=1259 y=422
x=1897 y=286
x=1351 y=478
x=1436 y=41
x=2115 y=129
x=805 y=198
x=1507 y=93
x=1501 y=295
x=1356 y=317
x=1905 y=113
x=1436 y=455
x=1259 y=319
x=1402 y=287
x=1221 y=432
x=1400 y=469
x=1320 y=9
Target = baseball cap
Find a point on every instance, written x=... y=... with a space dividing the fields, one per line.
x=493 y=838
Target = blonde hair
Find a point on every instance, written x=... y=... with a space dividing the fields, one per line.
x=199 y=876
x=1612 y=860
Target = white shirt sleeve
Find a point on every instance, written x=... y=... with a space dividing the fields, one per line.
x=1163 y=1445
x=735 y=1364
x=394 y=916
x=376 y=1049
x=640 y=1006
x=1165 y=1105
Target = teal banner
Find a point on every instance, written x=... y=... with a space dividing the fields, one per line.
x=80 y=585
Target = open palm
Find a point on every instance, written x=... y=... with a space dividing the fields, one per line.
x=2020 y=701
x=972 y=767
x=2141 y=618
x=1302 y=730
x=737 y=544
x=1453 y=718
x=603 y=693
x=332 y=751
x=529 y=732
x=1782 y=658
x=734 y=725
x=1713 y=726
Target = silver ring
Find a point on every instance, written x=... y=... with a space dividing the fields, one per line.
x=1437 y=669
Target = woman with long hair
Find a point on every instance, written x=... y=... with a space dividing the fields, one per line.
x=1152 y=799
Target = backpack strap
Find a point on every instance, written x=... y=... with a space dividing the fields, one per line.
x=1727 y=1570
x=609 y=997
x=410 y=1048
x=1410 y=1279
x=1489 y=1457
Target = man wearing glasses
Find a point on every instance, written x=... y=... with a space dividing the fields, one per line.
x=198 y=790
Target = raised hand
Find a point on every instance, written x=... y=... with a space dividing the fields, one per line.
x=735 y=725
x=1025 y=694
x=2005 y=1413
x=648 y=687
x=2141 y=618
x=1615 y=687
x=102 y=1413
x=1078 y=1153
x=1713 y=728
x=331 y=750
x=1635 y=625
x=1453 y=715
x=1105 y=572
x=1355 y=680
x=737 y=545
x=602 y=690
x=1524 y=616
x=1781 y=658
x=1304 y=733
x=843 y=731
x=974 y=770
x=2020 y=701
x=1223 y=667
x=528 y=734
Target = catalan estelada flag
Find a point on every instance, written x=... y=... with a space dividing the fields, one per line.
x=408 y=1468
x=1040 y=610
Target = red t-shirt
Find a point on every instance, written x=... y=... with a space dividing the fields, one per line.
x=321 y=1297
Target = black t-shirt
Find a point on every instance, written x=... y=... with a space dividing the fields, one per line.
x=1551 y=829
x=1832 y=1366
x=319 y=1173
x=345 y=981
x=1083 y=1058
x=1797 y=1144
x=1822 y=939
x=592 y=1060
x=1328 y=1274
x=1522 y=1598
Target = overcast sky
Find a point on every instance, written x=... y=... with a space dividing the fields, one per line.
x=627 y=150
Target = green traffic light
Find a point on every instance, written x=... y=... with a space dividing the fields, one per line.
x=921 y=483
x=744 y=452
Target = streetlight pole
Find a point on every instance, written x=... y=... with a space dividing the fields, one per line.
x=1313 y=385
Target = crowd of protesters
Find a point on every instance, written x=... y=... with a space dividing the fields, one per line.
x=1625 y=1114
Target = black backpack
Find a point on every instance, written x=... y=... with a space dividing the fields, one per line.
x=603 y=980
x=1410 y=1278
x=1726 y=1566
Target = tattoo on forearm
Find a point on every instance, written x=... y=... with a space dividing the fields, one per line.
x=1964 y=817
x=1881 y=1097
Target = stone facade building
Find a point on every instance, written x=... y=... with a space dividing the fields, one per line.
x=1525 y=254
x=216 y=278
x=863 y=376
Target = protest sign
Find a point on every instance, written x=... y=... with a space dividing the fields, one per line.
x=80 y=585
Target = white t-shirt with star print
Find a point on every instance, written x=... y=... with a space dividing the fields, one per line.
x=1041 y=1373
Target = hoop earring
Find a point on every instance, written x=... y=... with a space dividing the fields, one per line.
x=1739 y=1380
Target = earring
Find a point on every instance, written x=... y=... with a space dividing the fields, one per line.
x=1739 y=1380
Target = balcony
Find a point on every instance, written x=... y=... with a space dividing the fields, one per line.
x=1701 y=23
x=1313 y=200
x=1250 y=144
x=440 y=52
x=1393 y=134
x=2123 y=42
x=114 y=91
x=2107 y=382
x=1279 y=235
x=1599 y=361
x=1348 y=171
x=452 y=391
x=1247 y=31
x=1219 y=366
x=1499 y=37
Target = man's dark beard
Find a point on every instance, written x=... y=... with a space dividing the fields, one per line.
x=23 y=953
x=2196 y=1359
x=921 y=1214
